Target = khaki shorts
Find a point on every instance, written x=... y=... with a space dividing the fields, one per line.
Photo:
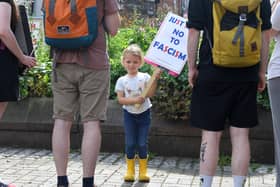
x=79 y=89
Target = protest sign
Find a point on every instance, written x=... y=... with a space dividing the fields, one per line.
x=168 y=50
x=169 y=47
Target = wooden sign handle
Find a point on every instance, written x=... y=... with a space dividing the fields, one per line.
x=149 y=85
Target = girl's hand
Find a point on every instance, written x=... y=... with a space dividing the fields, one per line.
x=28 y=61
x=139 y=100
x=158 y=74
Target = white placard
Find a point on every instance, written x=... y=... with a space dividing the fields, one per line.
x=169 y=47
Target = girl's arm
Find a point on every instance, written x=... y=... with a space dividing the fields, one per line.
x=153 y=87
x=129 y=100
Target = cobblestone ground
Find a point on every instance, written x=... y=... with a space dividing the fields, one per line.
x=35 y=168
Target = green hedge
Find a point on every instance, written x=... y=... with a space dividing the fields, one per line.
x=36 y=82
x=172 y=99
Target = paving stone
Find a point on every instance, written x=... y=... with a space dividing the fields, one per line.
x=35 y=168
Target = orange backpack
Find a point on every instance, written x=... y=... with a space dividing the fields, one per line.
x=70 y=24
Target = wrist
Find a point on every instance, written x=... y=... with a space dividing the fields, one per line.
x=192 y=67
x=262 y=71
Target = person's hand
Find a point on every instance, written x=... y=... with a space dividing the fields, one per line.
x=192 y=76
x=139 y=100
x=158 y=74
x=28 y=61
x=262 y=82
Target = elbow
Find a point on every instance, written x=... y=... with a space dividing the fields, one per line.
x=149 y=95
x=113 y=29
x=266 y=36
x=120 y=101
x=3 y=32
x=273 y=33
x=113 y=32
x=193 y=31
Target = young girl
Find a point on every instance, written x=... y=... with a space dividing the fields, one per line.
x=136 y=111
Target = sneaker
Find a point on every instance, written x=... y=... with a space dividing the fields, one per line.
x=6 y=185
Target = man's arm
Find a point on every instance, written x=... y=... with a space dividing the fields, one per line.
x=112 y=23
x=264 y=59
x=192 y=47
x=273 y=33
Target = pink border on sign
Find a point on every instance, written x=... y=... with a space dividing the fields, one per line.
x=172 y=73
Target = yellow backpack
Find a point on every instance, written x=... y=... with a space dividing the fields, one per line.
x=236 y=33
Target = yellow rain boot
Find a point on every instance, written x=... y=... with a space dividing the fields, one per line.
x=130 y=170
x=143 y=170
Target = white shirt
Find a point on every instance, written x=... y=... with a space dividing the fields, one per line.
x=133 y=87
x=274 y=63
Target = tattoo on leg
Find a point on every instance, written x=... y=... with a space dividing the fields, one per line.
x=201 y=181
x=202 y=151
x=244 y=183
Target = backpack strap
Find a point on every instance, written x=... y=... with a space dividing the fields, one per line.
x=239 y=33
x=74 y=18
x=51 y=19
x=208 y=37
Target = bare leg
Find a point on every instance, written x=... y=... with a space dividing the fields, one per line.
x=90 y=147
x=3 y=106
x=209 y=152
x=61 y=145
x=240 y=159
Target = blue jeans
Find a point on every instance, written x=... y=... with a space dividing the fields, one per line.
x=136 y=128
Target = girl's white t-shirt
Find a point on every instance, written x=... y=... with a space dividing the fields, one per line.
x=274 y=63
x=133 y=87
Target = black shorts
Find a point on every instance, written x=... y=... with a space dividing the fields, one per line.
x=215 y=103
x=9 y=82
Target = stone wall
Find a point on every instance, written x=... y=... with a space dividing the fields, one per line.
x=29 y=123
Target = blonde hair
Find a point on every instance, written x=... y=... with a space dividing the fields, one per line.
x=135 y=50
x=274 y=4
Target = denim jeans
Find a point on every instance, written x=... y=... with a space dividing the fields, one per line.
x=136 y=133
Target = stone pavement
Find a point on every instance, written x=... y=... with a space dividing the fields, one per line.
x=35 y=168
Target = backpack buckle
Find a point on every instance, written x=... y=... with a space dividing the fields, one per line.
x=243 y=17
